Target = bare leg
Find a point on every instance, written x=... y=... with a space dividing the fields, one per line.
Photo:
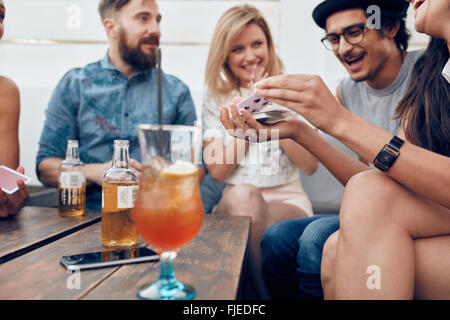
x=432 y=272
x=246 y=200
x=379 y=221
x=432 y=268
x=327 y=269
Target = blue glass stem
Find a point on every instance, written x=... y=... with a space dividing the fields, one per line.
x=166 y=287
x=166 y=260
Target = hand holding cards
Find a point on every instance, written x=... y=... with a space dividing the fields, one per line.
x=262 y=110
x=8 y=179
x=12 y=196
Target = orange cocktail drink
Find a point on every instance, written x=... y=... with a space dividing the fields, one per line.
x=168 y=212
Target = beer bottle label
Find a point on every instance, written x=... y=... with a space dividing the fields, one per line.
x=126 y=196
x=70 y=197
x=71 y=180
x=134 y=193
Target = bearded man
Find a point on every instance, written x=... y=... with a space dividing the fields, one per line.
x=105 y=100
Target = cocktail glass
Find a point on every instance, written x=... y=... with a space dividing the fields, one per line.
x=168 y=212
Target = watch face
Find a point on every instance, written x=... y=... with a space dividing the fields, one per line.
x=386 y=157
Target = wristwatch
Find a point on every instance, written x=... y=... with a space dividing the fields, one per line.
x=387 y=156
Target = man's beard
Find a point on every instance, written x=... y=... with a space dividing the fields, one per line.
x=137 y=59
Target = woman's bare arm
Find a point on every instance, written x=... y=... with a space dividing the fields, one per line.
x=9 y=123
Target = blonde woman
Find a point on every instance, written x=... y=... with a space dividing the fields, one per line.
x=262 y=179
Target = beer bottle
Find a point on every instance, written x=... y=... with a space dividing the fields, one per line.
x=71 y=183
x=119 y=191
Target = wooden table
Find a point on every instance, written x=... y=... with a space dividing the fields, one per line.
x=34 y=227
x=212 y=263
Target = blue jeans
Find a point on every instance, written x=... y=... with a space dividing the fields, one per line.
x=211 y=191
x=292 y=256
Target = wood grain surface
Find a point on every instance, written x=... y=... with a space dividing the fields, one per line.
x=39 y=274
x=34 y=227
x=212 y=263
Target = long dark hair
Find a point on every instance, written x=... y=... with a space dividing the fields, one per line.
x=426 y=107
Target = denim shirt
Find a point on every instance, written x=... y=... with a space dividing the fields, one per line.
x=98 y=104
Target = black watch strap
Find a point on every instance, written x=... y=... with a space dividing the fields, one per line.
x=396 y=143
x=387 y=156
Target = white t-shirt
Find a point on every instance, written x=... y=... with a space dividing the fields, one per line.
x=446 y=71
x=264 y=165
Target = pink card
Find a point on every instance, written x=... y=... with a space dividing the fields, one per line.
x=8 y=179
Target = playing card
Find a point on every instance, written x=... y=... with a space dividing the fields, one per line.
x=8 y=179
x=253 y=103
x=270 y=117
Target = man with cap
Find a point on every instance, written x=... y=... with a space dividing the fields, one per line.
x=379 y=69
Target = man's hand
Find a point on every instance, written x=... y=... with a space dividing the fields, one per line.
x=11 y=204
x=307 y=95
x=95 y=172
x=137 y=166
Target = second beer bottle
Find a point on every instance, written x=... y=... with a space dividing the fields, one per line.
x=120 y=187
x=71 y=183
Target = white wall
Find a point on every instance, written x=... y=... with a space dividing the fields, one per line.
x=45 y=38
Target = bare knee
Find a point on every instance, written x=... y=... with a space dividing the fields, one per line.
x=242 y=200
x=327 y=268
x=368 y=199
x=370 y=186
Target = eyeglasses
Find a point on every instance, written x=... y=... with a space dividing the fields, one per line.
x=353 y=34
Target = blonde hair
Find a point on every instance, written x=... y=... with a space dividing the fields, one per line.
x=219 y=78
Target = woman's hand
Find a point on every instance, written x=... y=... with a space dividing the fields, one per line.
x=257 y=73
x=11 y=204
x=307 y=95
x=246 y=127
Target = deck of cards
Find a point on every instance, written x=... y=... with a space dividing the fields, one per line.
x=263 y=110
x=253 y=103
x=8 y=179
x=270 y=117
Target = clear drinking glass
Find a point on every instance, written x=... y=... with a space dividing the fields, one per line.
x=168 y=212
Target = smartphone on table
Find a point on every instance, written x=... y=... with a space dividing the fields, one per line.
x=108 y=258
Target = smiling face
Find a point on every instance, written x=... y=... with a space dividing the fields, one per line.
x=249 y=53
x=2 y=17
x=139 y=33
x=432 y=17
x=363 y=60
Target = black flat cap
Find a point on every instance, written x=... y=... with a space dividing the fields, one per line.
x=328 y=7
